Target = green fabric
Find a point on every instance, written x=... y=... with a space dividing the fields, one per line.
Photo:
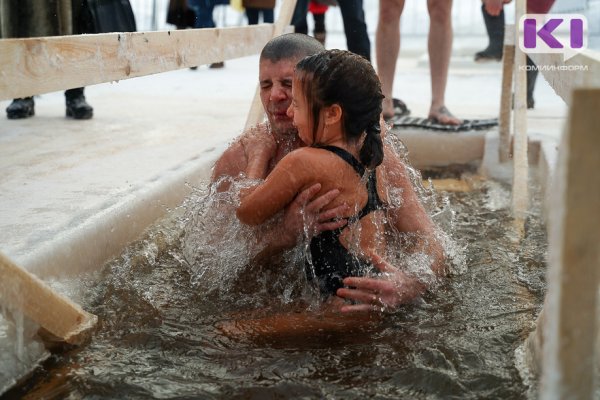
x=35 y=18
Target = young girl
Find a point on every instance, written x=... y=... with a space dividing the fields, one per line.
x=336 y=109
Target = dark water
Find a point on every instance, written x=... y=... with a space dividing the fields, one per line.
x=158 y=335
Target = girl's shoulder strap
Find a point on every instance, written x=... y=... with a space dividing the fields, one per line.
x=346 y=156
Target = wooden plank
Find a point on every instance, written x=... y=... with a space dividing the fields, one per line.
x=574 y=257
x=22 y=291
x=506 y=98
x=47 y=64
x=256 y=113
x=520 y=192
x=449 y=185
x=581 y=71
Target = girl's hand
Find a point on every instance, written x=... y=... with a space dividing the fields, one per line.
x=259 y=147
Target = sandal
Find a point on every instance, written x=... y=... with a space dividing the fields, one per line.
x=430 y=124
x=400 y=110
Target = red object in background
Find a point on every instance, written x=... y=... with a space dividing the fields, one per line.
x=317 y=8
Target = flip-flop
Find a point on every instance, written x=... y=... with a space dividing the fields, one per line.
x=432 y=124
x=400 y=110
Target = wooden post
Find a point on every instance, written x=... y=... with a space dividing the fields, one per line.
x=256 y=113
x=574 y=255
x=520 y=195
x=22 y=291
x=508 y=64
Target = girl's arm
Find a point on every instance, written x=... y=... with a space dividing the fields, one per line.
x=261 y=202
x=259 y=146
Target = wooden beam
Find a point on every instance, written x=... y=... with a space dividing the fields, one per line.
x=256 y=113
x=24 y=292
x=506 y=97
x=581 y=71
x=449 y=185
x=520 y=192
x=41 y=65
x=574 y=257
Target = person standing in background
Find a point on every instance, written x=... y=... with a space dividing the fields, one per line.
x=317 y=8
x=254 y=8
x=31 y=18
x=355 y=27
x=493 y=16
x=204 y=17
x=439 y=48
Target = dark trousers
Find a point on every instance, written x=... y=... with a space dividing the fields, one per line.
x=302 y=26
x=253 y=13
x=355 y=28
x=204 y=13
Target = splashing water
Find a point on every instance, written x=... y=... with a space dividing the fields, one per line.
x=159 y=338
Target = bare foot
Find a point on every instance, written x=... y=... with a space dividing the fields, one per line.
x=394 y=108
x=388 y=108
x=443 y=116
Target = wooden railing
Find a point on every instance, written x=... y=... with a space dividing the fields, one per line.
x=41 y=65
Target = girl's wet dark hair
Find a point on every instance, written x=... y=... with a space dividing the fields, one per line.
x=344 y=78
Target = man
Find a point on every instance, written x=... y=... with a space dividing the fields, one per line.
x=254 y=150
x=387 y=47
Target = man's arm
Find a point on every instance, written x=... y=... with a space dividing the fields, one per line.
x=249 y=155
x=231 y=164
x=395 y=287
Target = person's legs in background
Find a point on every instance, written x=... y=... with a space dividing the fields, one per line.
x=252 y=15
x=299 y=16
x=494 y=25
x=440 y=48
x=534 y=7
x=268 y=15
x=204 y=19
x=387 y=49
x=532 y=74
x=21 y=108
x=301 y=26
x=77 y=107
x=320 y=33
x=318 y=11
x=204 y=13
x=355 y=27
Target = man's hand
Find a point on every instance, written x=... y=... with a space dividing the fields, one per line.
x=305 y=213
x=391 y=289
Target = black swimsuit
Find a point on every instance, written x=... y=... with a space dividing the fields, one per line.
x=331 y=261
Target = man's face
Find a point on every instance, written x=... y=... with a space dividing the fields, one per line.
x=275 y=81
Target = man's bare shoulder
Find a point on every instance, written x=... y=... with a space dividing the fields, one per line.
x=232 y=162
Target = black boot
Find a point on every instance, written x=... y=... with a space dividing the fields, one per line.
x=20 y=108
x=77 y=107
x=532 y=74
x=495 y=31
